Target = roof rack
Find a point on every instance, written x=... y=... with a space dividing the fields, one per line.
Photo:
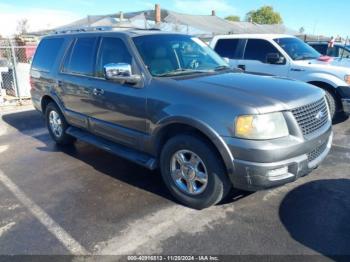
x=100 y=28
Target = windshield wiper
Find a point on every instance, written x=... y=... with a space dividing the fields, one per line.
x=181 y=71
x=305 y=57
x=222 y=67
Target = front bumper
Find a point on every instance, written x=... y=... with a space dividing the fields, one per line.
x=257 y=175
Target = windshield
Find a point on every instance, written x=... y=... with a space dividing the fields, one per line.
x=168 y=55
x=297 y=49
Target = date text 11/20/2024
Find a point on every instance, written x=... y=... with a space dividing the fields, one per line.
x=173 y=258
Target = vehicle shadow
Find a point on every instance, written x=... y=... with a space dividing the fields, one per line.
x=317 y=215
x=104 y=162
x=340 y=118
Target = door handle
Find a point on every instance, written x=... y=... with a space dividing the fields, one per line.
x=297 y=70
x=98 y=91
x=241 y=67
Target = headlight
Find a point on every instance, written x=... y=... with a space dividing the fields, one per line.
x=260 y=127
x=347 y=79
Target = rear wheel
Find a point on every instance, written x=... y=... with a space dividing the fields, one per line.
x=193 y=172
x=57 y=125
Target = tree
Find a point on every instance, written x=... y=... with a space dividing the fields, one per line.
x=302 y=30
x=233 y=18
x=22 y=26
x=264 y=15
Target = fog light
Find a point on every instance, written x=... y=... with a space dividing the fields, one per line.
x=277 y=172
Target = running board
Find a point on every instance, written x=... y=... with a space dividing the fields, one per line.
x=116 y=149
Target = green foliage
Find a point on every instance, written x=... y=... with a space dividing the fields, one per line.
x=264 y=15
x=233 y=18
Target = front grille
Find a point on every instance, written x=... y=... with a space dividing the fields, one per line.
x=316 y=152
x=311 y=117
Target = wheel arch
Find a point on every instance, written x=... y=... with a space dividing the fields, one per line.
x=46 y=99
x=184 y=125
x=328 y=87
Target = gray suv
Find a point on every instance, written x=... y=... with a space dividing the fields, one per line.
x=168 y=101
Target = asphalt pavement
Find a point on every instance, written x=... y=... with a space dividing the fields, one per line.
x=81 y=200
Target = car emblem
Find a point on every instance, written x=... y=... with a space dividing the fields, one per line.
x=319 y=115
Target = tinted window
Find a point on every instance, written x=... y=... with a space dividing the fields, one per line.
x=81 y=59
x=337 y=51
x=333 y=51
x=112 y=50
x=320 y=48
x=46 y=54
x=227 y=48
x=257 y=49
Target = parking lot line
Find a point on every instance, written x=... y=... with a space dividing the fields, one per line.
x=3 y=148
x=67 y=240
x=145 y=234
x=6 y=228
x=340 y=146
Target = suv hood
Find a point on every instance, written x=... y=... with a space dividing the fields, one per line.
x=335 y=67
x=341 y=62
x=262 y=94
x=337 y=64
x=332 y=61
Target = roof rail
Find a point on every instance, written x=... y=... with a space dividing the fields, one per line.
x=82 y=29
x=99 y=28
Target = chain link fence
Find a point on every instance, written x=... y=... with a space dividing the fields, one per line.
x=15 y=60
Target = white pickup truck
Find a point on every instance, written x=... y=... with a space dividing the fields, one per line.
x=288 y=56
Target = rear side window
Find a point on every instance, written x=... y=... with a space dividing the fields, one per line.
x=227 y=48
x=81 y=57
x=112 y=50
x=46 y=54
x=257 y=49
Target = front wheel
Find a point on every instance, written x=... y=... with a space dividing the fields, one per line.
x=332 y=104
x=193 y=172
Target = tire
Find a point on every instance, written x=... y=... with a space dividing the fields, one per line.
x=60 y=138
x=210 y=193
x=332 y=104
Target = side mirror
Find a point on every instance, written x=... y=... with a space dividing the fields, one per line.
x=275 y=59
x=121 y=72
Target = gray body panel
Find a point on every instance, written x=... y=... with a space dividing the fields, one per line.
x=134 y=116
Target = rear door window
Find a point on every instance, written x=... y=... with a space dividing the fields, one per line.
x=46 y=54
x=81 y=57
x=257 y=49
x=228 y=48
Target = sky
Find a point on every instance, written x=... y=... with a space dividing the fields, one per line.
x=324 y=17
